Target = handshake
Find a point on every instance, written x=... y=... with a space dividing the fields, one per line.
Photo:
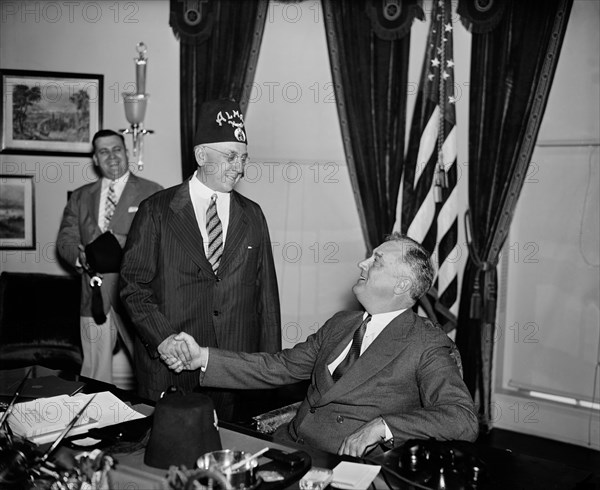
x=181 y=352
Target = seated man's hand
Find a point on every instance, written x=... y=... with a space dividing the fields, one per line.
x=363 y=439
x=194 y=359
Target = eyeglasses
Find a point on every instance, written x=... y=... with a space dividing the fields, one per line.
x=232 y=156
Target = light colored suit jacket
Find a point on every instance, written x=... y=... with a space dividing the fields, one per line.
x=407 y=376
x=168 y=285
x=80 y=225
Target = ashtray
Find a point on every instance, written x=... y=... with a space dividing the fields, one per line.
x=316 y=479
x=225 y=462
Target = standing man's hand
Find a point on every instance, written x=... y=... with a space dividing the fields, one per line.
x=197 y=356
x=172 y=348
x=367 y=436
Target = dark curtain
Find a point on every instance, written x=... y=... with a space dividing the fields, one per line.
x=219 y=45
x=368 y=43
x=515 y=50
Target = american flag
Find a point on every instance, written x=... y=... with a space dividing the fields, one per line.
x=427 y=201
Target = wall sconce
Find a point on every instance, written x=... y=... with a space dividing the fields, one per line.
x=135 y=107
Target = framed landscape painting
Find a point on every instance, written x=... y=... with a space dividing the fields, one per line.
x=50 y=113
x=17 y=212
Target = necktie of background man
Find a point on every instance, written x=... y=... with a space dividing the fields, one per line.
x=110 y=205
x=214 y=230
x=354 y=352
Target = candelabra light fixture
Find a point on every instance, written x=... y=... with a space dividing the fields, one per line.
x=135 y=107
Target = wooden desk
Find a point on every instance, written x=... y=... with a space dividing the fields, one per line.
x=506 y=469
x=232 y=436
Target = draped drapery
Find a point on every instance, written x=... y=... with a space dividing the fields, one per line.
x=368 y=43
x=219 y=45
x=514 y=53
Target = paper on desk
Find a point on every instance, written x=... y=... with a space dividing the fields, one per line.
x=43 y=419
x=354 y=476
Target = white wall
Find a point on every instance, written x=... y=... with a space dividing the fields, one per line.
x=99 y=38
x=298 y=174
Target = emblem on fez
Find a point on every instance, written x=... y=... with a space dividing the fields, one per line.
x=239 y=134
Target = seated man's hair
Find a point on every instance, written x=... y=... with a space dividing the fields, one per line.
x=418 y=259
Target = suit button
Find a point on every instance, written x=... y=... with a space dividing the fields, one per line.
x=218 y=279
x=313 y=410
x=339 y=419
x=216 y=312
x=300 y=441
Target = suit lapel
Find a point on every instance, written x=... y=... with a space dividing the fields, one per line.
x=236 y=231
x=93 y=207
x=333 y=347
x=379 y=354
x=127 y=198
x=184 y=226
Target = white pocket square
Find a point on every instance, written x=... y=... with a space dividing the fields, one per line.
x=132 y=209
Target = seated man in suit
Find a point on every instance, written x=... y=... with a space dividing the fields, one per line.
x=384 y=375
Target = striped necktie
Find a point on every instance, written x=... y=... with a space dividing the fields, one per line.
x=214 y=229
x=110 y=205
x=354 y=352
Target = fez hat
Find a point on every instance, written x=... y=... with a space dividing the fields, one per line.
x=104 y=253
x=183 y=429
x=220 y=121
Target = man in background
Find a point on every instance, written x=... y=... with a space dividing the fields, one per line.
x=198 y=260
x=103 y=209
x=378 y=377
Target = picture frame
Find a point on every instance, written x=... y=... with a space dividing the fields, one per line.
x=17 y=212
x=50 y=113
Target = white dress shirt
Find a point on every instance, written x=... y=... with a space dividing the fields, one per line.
x=375 y=326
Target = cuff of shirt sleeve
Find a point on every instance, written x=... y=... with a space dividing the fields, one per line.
x=388 y=433
x=203 y=358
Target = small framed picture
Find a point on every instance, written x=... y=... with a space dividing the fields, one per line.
x=50 y=113
x=17 y=212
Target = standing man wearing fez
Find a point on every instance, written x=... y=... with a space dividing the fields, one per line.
x=198 y=260
x=92 y=233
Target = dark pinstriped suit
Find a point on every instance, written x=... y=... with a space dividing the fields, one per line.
x=168 y=286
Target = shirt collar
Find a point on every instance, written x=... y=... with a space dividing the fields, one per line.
x=204 y=191
x=386 y=317
x=120 y=181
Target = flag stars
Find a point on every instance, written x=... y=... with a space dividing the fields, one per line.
x=445 y=75
x=450 y=63
x=431 y=76
x=451 y=99
x=435 y=62
x=448 y=27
